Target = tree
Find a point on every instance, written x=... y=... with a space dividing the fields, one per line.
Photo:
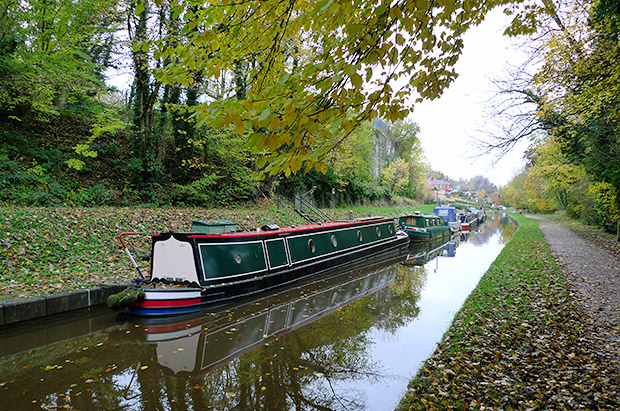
x=396 y=176
x=353 y=160
x=479 y=183
x=514 y=193
x=319 y=69
x=574 y=98
x=406 y=134
x=53 y=54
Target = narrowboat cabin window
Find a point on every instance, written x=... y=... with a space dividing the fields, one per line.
x=311 y=246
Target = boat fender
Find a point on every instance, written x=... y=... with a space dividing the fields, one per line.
x=125 y=298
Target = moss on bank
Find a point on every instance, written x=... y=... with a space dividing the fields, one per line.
x=519 y=342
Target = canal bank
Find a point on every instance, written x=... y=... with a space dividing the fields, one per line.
x=337 y=341
x=54 y=261
x=524 y=339
x=27 y=312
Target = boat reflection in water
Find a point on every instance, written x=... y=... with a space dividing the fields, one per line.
x=421 y=253
x=196 y=345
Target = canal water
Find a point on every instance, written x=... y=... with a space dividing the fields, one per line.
x=347 y=340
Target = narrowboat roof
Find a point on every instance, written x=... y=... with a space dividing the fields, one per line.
x=293 y=229
x=421 y=215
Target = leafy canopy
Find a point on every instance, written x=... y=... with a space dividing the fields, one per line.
x=316 y=69
x=53 y=53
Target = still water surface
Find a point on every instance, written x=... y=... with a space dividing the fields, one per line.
x=349 y=340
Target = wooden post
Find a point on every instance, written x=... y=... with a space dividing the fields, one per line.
x=618 y=232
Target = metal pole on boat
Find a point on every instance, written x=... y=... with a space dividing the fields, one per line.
x=135 y=265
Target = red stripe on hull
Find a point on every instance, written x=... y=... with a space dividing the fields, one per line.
x=171 y=327
x=167 y=303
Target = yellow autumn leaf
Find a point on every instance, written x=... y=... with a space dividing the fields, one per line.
x=274 y=123
x=356 y=80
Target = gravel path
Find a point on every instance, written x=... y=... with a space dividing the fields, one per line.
x=593 y=274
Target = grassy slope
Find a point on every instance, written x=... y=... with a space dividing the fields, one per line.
x=519 y=342
x=51 y=250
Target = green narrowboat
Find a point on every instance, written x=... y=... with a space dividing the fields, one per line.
x=423 y=227
x=192 y=270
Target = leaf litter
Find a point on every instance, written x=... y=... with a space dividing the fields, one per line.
x=522 y=341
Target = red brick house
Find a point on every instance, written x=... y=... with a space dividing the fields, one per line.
x=442 y=185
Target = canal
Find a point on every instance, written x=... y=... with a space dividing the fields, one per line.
x=350 y=339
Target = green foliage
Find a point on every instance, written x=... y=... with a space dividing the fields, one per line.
x=406 y=134
x=353 y=158
x=316 y=70
x=576 y=96
x=607 y=204
x=396 y=177
x=51 y=67
x=216 y=190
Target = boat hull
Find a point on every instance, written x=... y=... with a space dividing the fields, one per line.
x=417 y=233
x=205 y=338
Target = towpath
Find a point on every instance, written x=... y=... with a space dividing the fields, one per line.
x=591 y=263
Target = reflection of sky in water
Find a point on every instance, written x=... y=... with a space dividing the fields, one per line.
x=449 y=281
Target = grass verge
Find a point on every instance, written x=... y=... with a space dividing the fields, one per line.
x=45 y=251
x=519 y=342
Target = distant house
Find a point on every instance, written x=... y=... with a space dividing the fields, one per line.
x=470 y=193
x=442 y=185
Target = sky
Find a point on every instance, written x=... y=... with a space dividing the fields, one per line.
x=450 y=125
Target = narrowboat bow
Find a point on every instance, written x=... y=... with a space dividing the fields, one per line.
x=192 y=270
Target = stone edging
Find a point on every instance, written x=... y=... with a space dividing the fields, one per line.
x=16 y=311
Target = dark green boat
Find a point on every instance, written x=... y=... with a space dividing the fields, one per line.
x=423 y=227
x=192 y=270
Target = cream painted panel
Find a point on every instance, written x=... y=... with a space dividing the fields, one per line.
x=174 y=259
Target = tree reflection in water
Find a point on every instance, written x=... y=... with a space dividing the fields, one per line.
x=298 y=348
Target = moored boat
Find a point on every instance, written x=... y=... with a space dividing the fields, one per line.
x=471 y=218
x=190 y=271
x=449 y=218
x=468 y=220
x=423 y=227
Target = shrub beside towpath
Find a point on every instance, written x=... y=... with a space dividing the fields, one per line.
x=519 y=342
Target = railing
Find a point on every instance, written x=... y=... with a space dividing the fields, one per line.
x=304 y=207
